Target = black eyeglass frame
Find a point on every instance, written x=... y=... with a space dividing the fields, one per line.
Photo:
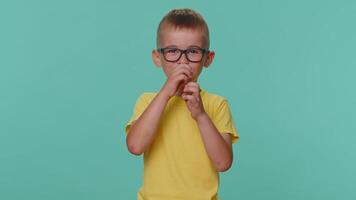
x=161 y=50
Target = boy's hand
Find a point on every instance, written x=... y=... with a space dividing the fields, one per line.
x=179 y=77
x=191 y=94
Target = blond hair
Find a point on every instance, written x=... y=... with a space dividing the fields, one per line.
x=184 y=18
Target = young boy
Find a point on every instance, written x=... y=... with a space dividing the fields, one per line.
x=184 y=132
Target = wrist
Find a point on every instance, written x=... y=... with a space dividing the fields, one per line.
x=164 y=95
x=201 y=117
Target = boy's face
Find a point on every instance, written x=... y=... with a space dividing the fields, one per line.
x=182 y=39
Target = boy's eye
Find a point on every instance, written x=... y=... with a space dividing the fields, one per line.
x=193 y=51
x=172 y=51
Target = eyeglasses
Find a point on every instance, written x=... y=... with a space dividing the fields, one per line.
x=172 y=54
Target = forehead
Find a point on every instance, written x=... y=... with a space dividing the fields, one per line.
x=181 y=37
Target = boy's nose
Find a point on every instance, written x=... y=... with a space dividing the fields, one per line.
x=183 y=59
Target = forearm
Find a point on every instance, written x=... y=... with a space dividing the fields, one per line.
x=142 y=132
x=215 y=145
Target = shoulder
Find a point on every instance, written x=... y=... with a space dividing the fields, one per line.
x=146 y=97
x=214 y=103
x=213 y=98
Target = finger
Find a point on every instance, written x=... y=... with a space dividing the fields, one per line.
x=187 y=97
x=186 y=66
x=192 y=89
x=181 y=79
x=194 y=84
x=190 y=99
x=179 y=90
x=183 y=71
x=182 y=68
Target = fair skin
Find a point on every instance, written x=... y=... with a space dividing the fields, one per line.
x=181 y=81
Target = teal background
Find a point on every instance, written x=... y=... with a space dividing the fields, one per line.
x=70 y=73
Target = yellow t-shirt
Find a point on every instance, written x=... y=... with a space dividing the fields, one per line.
x=176 y=165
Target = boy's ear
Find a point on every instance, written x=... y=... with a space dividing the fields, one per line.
x=209 y=59
x=156 y=58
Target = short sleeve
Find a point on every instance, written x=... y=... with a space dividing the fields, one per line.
x=140 y=106
x=223 y=120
